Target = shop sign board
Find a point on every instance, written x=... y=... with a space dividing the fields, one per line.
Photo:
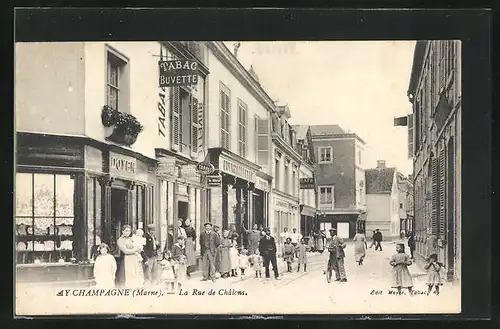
x=214 y=181
x=307 y=183
x=236 y=170
x=178 y=73
x=262 y=184
x=189 y=172
x=167 y=166
x=205 y=168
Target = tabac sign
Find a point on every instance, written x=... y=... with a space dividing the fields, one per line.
x=307 y=183
x=178 y=73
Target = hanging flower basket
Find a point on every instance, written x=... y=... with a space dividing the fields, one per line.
x=126 y=126
x=108 y=116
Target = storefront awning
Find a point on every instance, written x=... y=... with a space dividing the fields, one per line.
x=308 y=211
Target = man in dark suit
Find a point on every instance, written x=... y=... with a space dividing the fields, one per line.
x=267 y=248
x=337 y=244
x=151 y=251
x=377 y=237
x=209 y=242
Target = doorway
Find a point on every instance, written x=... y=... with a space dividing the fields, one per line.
x=182 y=210
x=118 y=218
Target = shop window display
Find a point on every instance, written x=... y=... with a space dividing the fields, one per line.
x=44 y=218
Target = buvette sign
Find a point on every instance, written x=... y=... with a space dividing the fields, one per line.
x=205 y=168
x=178 y=73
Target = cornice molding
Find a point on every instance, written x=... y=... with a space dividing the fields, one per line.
x=223 y=54
x=285 y=148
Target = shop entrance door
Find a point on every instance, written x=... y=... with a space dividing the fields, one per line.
x=258 y=209
x=119 y=217
x=182 y=210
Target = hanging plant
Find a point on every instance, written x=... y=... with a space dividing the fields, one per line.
x=108 y=116
x=128 y=124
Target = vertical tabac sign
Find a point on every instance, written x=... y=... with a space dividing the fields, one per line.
x=178 y=73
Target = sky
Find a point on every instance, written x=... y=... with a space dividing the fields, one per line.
x=359 y=85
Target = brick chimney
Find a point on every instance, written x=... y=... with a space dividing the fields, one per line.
x=380 y=164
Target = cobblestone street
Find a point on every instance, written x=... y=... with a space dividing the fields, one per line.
x=308 y=292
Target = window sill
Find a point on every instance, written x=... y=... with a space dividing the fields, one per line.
x=325 y=162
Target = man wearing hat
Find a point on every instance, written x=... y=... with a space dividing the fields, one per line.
x=267 y=248
x=151 y=250
x=337 y=244
x=209 y=243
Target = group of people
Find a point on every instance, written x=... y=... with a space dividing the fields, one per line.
x=222 y=258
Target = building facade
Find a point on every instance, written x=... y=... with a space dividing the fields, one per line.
x=286 y=163
x=340 y=177
x=405 y=188
x=434 y=130
x=239 y=143
x=307 y=182
x=383 y=201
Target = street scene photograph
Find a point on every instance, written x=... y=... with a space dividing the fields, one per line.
x=238 y=177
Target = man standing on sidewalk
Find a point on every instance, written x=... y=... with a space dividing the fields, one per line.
x=209 y=242
x=267 y=248
x=151 y=251
x=338 y=245
x=377 y=237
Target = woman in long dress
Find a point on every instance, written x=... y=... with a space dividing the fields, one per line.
x=131 y=273
x=190 y=244
x=225 y=258
x=319 y=239
x=359 y=247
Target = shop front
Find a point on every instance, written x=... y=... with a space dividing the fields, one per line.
x=307 y=218
x=181 y=196
x=236 y=204
x=73 y=193
x=345 y=224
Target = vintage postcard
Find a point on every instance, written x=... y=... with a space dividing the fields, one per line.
x=228 y=177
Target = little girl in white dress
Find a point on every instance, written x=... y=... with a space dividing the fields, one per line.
x=104 y=268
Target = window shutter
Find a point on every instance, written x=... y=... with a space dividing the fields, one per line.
x=201 y=124
x=434 y=208
x=194 y=127
x=442 y=194
x=263 y=142
x=410 y=136
x=175 y=110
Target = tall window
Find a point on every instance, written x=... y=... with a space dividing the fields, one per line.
x=294 y=181
x=325 y=155
x=242 y=129
x=185 y=120
x=287 y=177
x=277 y=178
x=326 y=196
x=44 y=218
x=225 y=118
x=116 y=82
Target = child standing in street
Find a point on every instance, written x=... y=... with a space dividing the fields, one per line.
x=234 y=258
x=243 y=262
x=140 y=241
x=257 y=264
x=167 y=276
x=104 y=268
x=180 y=270
x=302 y=250
x=288 y=252
x=401 y=277
x=434 y=279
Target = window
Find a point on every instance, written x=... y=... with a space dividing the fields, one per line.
x=326 y=196
x=287 y=177
x=44 y=218
x=95 y=223
x=184 y=120
x=116 y=81
x=277 y=178
x=225 y=118
x=262 y=141
x=294 y=189
x=242 y=128
x=325 y=155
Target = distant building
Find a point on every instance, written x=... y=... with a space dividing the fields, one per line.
x=382 y=201
x=307 y=184
x=405 y=188
x=340 y=179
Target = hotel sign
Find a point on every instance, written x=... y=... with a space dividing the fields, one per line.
x=178 y=73
x=307 y=183
x=236 y=170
